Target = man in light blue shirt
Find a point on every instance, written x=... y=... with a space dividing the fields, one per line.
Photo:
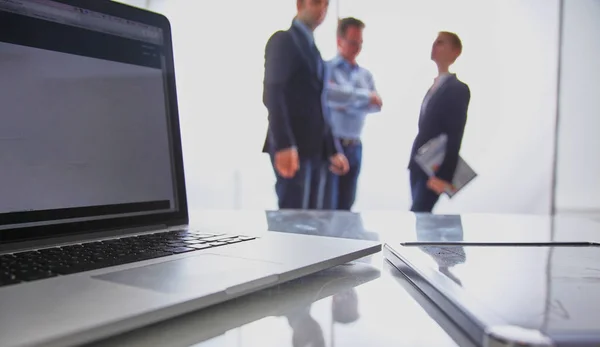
x=350 y=94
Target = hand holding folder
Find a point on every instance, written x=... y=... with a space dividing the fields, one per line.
x=431 y=156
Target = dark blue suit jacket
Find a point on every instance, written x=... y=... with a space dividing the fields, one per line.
x=446 y=112
x=293 y=87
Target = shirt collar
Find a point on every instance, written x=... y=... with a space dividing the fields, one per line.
x=340 y=61
x=443 y=77
x=305 y=30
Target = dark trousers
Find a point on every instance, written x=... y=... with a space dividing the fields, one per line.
x=342 y=189
x=307 y=189
x=423 y=198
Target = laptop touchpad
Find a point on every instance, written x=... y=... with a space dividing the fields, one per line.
x=203 y=273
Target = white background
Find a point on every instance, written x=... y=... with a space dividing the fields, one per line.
x=509 y=61
x=578 y=175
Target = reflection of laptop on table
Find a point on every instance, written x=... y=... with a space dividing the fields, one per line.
x=284 y=300
x=93 y=207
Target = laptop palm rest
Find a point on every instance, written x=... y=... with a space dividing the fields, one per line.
x=197 y=274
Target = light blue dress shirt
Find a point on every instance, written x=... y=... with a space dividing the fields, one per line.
x=348 y=89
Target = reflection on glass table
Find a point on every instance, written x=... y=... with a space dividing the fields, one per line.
x=359 y=304
x=452 y=231
x=306 y=330
x=507 y=230
x=339 y=224
x=398 y=226
x=550 y=291
x=291 y=301
x=351 y=305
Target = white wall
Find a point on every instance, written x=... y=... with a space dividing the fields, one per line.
x=509 y=61
x=578 y=173
x=219 y=57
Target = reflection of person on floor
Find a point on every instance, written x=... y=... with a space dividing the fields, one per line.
x=306 y=330
x=442 y=228
x=450 y=275
x=344 y=307
x=345 y=225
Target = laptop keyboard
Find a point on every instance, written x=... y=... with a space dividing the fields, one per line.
x=50 y=262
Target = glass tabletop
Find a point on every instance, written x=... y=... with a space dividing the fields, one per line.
x=367 y=302
x=358 y=304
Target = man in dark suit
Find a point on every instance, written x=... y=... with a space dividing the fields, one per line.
x=299 y=138
x=444 y=111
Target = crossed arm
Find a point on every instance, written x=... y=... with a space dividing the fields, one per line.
x=343 y=96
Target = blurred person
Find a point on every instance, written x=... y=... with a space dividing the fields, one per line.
x=306 y=331
x=344 y=307
x=299 y=139
x=350 y=95
x=444 y=110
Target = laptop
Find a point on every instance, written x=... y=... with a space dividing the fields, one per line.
x=528 y=292
x=94 y=235
x=503 y=295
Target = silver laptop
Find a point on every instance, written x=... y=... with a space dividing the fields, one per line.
x=93 y=215
x=529 y=291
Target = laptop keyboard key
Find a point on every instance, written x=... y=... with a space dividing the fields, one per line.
x=194 y=242
x=180 y=249
x=201 y=246
x=218 y=238
x=235 y=240
x=177 y=244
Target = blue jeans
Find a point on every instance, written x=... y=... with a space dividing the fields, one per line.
x=307 y=189
x=342 y=189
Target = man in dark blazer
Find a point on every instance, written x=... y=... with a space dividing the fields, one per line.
x=444 y=111
x=299 y=139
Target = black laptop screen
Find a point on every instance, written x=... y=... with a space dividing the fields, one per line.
x=84 y=130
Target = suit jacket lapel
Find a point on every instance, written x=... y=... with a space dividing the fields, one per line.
x=436 y=95
x=432 y=97
x=443 y=87
x=425 y=102
x=305 y=50
x=320 y=64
